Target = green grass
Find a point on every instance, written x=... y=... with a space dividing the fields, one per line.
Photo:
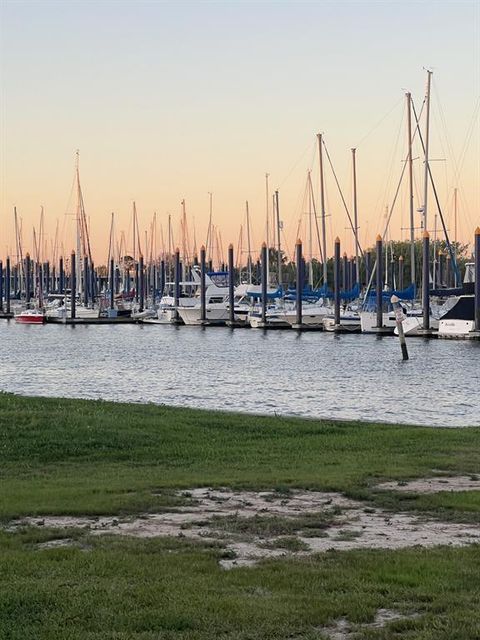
x=78 y=457
x=268 y=525
x=458 y=506
x=83 y=457
x=289 y=543
x=119 y=588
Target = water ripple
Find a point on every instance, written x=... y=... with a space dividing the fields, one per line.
x=310 y=374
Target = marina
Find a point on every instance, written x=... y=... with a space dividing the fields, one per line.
x=310 y=374
x=239 y=320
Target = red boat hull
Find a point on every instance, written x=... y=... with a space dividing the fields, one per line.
x=30 y=319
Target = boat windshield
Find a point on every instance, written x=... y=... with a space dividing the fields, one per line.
x=219 y=278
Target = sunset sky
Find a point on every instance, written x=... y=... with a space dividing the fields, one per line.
x=170 y=101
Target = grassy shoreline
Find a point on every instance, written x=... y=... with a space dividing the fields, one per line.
x=94 y=457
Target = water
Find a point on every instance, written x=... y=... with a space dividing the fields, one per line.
x=274 y=372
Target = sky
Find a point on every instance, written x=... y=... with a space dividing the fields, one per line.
x=171 y=101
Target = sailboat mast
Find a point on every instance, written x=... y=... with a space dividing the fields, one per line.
x=209 y=232
x=249 y=247
x=322 y=207
x=455 y=191
x=355 y=215
x=387 y=233
x=427 y=140
x=78 y=262
x=434 y=271
x=267 y=196
x=279 y=249
x=410 y=189
x=185 y=243
x=18 y=240
x=169 y=246
x=310 y=234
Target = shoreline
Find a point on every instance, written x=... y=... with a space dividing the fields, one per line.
x=226 y=412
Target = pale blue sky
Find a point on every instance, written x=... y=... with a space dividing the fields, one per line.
x=172 y=100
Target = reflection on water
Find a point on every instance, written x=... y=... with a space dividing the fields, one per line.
x=310 y=374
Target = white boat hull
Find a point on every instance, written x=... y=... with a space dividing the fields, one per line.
x=310 y=317
x=368 y=321
x=213 y=315
x=455 y=328
x=276 y=320
x=413 y=326
x=348 y=324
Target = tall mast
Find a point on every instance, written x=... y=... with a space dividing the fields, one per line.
x=110 y=240
x=386 y=249
x=427 y=140
x=185 y=239
x=55 y=245
x=18 y=240
x=455 y=227
x=78 y=263
x=239 y=262
x=322 y=207
x=310 y=233
x=194 y=251
x=134 y=215
x=410 y=188
x=40 y=255
x=355 y=215
x=209 y=232
x=169 y=236
x=279 y=250
x=267 y=196
x=249 y=259
x=136 y=234
x=169 y=246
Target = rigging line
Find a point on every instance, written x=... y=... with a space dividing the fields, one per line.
x=380 y=214
x=449 y=246
x=384 y=235
x=466 y=209
x=470 y=131
x=392 y=161
x=302 y=216
x=312 y=195
x=449 y=146
x=457 y=165
x=405 y=163
x=446 y=149
x=285 y=242
x=304 y=152
x=343 y=199
x=379 y=123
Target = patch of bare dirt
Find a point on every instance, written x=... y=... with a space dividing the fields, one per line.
x=343 y=630
x=434 y=485
x=346 y=524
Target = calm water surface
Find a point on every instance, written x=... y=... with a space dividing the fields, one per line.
x=309 y=374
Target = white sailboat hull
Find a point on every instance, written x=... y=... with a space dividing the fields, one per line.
x=311 y=317
x=368 y=321
x=348 y=323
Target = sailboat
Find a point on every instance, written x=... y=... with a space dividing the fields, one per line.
x=36 y=314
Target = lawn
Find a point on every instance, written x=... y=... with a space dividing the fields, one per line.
x=81 y=457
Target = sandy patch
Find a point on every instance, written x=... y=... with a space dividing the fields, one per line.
x=349 y=524
x=343 y=630
x=434 y=485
